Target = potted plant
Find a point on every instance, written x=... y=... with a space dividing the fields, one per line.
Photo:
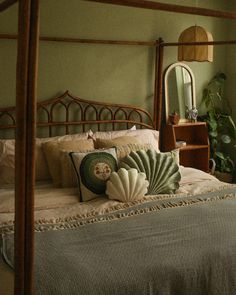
x=221 y=126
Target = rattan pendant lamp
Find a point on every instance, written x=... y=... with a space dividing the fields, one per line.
x=195 y=52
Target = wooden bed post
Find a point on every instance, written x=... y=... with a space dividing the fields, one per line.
x=26 y=80
x=158 y=85
x=155 y=100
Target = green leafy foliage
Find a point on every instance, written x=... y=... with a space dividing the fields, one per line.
x=221 y=126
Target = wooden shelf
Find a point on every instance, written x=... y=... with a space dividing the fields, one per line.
x=193 y=147
x=196 y=151
x=181 y=125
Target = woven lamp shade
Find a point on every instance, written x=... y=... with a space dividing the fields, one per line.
x=197 y=52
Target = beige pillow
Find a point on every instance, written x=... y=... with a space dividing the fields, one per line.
x=7 y=157
x=68 y=174
x=118 y=141
x=145 y=136
x=110 y=134
x=52 y=151
x=42 y=169
x=124 y=150
x=148 y=136
x=7 y=161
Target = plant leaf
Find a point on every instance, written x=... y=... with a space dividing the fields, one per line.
x=213 y=133
x=220 y=155
x=225 y=138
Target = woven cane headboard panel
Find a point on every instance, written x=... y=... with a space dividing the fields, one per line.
x=68 y=114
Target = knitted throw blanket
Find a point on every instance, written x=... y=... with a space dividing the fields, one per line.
x=173 y=246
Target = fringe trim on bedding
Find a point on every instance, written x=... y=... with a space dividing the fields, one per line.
x=92 y=217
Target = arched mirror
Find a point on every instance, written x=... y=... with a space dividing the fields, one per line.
x=179 y=91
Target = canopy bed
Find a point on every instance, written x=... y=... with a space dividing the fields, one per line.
x=103 y=223
x=190 y=200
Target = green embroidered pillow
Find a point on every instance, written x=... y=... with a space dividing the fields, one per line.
x=93 y=169
x=160 y=168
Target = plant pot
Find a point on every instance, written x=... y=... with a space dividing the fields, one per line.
x=224 y=176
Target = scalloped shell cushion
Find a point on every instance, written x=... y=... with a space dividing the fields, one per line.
x=161 y=170
x=93 y=169
x=127 y=185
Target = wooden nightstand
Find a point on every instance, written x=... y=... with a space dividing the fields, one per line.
x=197 y=150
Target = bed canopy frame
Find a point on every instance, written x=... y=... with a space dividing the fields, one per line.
x=25 y=120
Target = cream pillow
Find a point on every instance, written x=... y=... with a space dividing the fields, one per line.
x=52 y=151
x=118 y=141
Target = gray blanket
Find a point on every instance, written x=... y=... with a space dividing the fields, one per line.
x=168 y=247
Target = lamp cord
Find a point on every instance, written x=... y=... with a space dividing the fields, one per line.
x=196 y=6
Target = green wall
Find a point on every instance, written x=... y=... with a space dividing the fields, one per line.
x=230 y=90
x=101 y=72
x=231 y=65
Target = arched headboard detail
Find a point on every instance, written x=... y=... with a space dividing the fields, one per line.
x=67 y=114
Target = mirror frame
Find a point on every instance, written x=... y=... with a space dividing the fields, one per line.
x=166 y=91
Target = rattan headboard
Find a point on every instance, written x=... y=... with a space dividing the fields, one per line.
x=67 y=114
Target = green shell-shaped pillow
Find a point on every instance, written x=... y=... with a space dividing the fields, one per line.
x=161 y=170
